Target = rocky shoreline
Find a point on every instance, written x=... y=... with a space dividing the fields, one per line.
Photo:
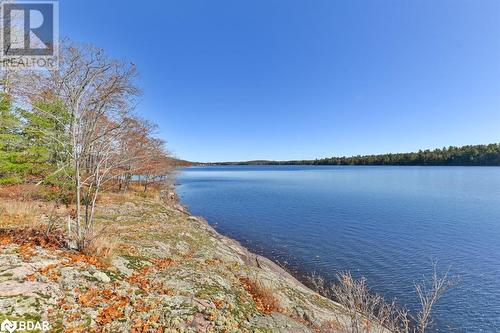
x=169 y=272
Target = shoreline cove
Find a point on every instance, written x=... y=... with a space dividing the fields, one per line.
x=265 y=264
x=252 y=256
x=385 y=224
x=169 y=270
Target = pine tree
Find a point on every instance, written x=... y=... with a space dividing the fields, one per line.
x=13 y=163
x=46 y=136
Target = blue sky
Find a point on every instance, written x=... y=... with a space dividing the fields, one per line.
x=268 y=79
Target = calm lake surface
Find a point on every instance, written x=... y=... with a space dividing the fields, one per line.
x=385 y=223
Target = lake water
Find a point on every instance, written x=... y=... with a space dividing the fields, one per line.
x=386 y=223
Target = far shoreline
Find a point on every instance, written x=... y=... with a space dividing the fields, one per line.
x=469 y=155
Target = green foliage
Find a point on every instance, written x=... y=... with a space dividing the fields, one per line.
x=34 y=144
x=478 y=155
x=13 y=164
x=61 y=195
x=46 y=134
x=466 y=155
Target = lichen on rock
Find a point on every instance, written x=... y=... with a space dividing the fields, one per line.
x=170 y=272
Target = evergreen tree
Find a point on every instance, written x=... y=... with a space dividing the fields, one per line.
x=46 y=136
x=13 y=163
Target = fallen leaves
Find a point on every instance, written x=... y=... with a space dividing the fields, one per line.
x=5 y=240
x=143 y=326
x=54 y=276
x=112 y=312
x=148 y=285
x=163 y=263
x=219 y=304
x=136 y=299
x=139 y=279
x=263 y=297
x=78 y=257
x=139 y=326
x=89 y=299
x=46 y=269
x=32 y=237
x=144 y=278
x=140 y=306
x=26 y=251
x=114 y=305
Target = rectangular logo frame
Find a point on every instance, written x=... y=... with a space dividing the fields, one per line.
x=29 y=38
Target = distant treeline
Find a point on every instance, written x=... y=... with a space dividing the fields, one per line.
x=181 y=163
x=476 y=155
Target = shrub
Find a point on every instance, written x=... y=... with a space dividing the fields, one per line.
x=370 y=312
x=263 y=297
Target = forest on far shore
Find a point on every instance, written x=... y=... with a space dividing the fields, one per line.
x=471 y=155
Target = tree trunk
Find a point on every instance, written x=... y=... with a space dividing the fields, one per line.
x=78 y=207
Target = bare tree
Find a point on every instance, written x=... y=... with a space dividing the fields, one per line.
x=103 y=139
x=133 y=149
x=156 y=165
x=99 y=93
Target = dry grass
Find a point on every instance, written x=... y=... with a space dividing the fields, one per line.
x=263 y=297
x=20 y=213
x=22 y=205
x=17 y=213
x=132 y=193
x=115 y=197
x=20 y=192
x=103 y=246
x=22 y=210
